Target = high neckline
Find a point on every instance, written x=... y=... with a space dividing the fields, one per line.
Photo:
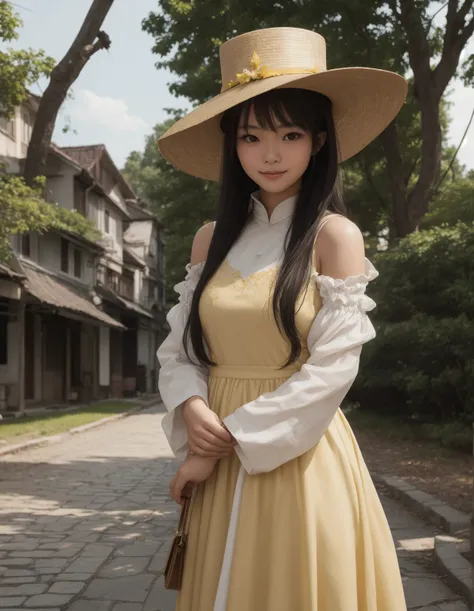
x=281 y=212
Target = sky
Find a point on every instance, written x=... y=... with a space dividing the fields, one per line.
x=120 y=95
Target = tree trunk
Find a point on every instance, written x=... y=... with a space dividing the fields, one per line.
x=88 y=41
x=409 y=207
x=420 y=196
x=396 y=181
x=429 y=87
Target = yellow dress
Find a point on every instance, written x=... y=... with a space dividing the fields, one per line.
x=309 y=534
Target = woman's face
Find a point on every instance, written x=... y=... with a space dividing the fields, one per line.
x=275 y=160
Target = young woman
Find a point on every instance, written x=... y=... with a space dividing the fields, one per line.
x=266 y=339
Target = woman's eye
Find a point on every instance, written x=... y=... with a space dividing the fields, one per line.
x=292 y=136
x=249 y=138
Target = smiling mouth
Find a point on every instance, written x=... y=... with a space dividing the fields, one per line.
x=273 y=173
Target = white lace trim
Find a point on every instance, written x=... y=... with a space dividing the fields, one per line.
x=185 y=288
x=350 y=292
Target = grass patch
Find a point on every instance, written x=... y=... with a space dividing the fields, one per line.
x=53 y=424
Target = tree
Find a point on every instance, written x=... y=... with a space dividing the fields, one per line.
x=398 y=35
x=88 y=41
x=22 y=208
x=18 y=69
x=181 y=202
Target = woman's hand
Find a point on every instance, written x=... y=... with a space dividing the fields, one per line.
x=193 y=471
x=207 y=437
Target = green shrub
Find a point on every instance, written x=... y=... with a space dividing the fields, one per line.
x=421 y=363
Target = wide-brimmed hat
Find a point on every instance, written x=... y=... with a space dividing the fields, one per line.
x=364 y=100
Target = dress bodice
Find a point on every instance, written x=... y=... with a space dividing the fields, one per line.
x=236 y=305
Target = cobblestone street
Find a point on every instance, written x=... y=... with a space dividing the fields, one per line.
x=85 y=525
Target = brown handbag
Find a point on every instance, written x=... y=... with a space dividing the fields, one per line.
x=175 y=563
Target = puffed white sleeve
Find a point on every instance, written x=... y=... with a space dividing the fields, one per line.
x=179 y=378
x=279 y=426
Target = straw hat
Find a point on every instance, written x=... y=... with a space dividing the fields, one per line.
x=365 y=100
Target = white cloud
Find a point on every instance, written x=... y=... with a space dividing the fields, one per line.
x=110 y=112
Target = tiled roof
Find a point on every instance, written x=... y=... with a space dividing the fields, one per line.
x=86 y=156
x=6 y=271
x=51 y=290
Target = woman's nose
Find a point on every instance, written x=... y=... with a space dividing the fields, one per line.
x=271 y=153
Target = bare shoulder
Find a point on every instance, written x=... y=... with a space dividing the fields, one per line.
x=201 y=243
x=340 y=250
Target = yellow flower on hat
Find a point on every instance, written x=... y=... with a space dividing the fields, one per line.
x=258 y=72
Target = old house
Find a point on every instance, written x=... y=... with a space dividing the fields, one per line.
x=80 y=323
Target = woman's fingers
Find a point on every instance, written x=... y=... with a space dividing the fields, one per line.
x=220 y=433
x=208 y=434
x=177 y=485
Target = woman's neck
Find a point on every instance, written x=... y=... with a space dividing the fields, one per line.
x=272 y=200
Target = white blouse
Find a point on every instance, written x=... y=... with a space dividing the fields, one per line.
x=280 y=425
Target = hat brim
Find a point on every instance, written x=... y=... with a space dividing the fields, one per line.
x=365 y=101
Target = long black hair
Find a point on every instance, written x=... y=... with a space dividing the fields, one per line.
x=319 y=192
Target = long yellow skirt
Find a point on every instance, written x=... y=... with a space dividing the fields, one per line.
x=311 y=535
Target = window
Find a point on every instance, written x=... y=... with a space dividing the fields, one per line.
x=64 y=256
x=79 y=198
x=3 y=337
x=77 y=263
x=8 y=126
x=107 y=222
x=26 y=245
x=27 y=127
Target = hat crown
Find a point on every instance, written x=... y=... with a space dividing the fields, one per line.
x=277 y=49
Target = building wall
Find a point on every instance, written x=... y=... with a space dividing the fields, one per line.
x=94 y=208
x=16 y=133
x=50 y=258
x=61 y=188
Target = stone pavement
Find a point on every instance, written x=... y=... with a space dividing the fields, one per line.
x=85 y=525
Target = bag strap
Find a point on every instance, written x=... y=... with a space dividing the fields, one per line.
x=184 y=517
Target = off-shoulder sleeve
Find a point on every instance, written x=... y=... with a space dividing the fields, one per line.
x=281 y=425
x=179 y=378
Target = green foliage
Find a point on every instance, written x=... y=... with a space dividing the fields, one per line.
x=182 y=203
x=19 y=69
x=23 y=209
x=421 y=364
x=454 y=203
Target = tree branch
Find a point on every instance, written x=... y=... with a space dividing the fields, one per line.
x=464 y=10
x=455 y=39
x=466 y=33
x=103 y=42
x=418 y=47
x=430 y=22
x=88 y=41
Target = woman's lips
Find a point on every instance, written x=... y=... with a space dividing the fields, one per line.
x=273 y=175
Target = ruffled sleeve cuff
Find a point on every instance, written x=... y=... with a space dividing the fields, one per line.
x=179 y=378
x=348 y=293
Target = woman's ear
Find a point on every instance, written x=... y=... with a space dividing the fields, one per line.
x=319 y=142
